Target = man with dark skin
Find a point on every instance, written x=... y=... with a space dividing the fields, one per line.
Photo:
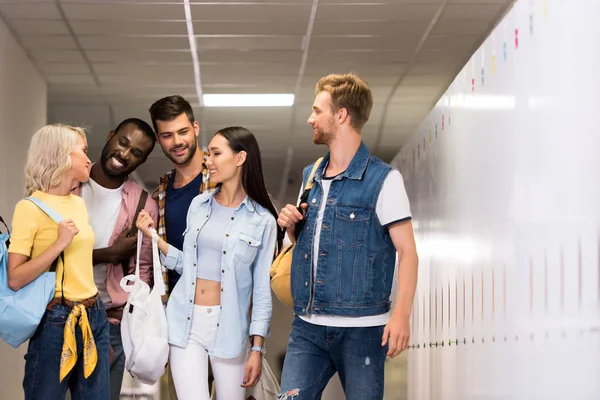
x=112 y=199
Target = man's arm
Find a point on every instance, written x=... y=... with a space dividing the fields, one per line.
x=397 y=331
x=103 y=256
x=146 y=263
x=123 y=248
x=290 y=216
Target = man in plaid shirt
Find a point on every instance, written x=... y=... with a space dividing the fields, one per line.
x=177 y=134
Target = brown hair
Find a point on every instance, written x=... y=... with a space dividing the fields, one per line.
x=351 y=92
x=170 y=107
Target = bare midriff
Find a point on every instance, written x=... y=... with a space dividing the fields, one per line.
x=208 y=293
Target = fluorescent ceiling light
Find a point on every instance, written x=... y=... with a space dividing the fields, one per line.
x=249 y=100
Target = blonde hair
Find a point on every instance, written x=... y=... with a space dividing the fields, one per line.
x=351 y=92
x=49 y=155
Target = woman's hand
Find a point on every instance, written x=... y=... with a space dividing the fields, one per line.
x=253 y=369
x=144 y=223
x=66 y=232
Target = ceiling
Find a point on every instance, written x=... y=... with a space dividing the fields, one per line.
x=107 y=60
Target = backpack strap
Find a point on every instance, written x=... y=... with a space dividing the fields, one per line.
x=4 y=223
x=140 y=206
x=310 y=182
x=304 y=197
x=56 y=217
x=7 y=241
x=46 y=209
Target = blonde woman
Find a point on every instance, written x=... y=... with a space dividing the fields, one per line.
x=70 y=348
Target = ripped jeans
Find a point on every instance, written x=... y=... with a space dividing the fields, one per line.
x=315 y=353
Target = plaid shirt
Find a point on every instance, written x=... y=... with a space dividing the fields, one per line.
x=160 y=195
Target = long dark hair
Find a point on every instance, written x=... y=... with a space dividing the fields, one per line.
x=253 y=181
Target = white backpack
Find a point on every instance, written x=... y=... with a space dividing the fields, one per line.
x=144 y=328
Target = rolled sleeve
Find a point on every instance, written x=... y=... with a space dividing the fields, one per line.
x=260 y=329
x=262 y=304
x=24 y=228
x=173 y=259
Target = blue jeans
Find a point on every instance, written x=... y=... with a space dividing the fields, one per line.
x=117 y=365
x=42 y=361
x=315 y=353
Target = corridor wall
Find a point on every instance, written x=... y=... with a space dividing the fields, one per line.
x=22 y=112
x=502 y=178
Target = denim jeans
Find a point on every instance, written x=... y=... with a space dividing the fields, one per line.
x=117 y=365
x=315 y=353
x=42 y=361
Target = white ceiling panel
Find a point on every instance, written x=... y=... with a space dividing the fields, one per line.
x=449 y=43
x=49 y=42
x=257 y=81
x=247 y=70
x=474 y=11
x=441 y=55
x=138 y=55
x=57 y=56
x=381 y=1
x=119 y=42
x=118 y=1
x=424 y=81
x=248 y=26
x=253 y=11
x=404 y=44
x=282 y=42
x=394 y=11
x=370 y=27
x=134 y=79
x=29 y=11
x=361 y=55
x=262 y=56
x=147 y=70
x=454 y=26
x=419 y=93
x=122 y=11
x=129 y=28
x=178 y=27
x=29 y=27
x=440 y=68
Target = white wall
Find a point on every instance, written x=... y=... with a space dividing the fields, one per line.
x=503 y=181
x=22 y=112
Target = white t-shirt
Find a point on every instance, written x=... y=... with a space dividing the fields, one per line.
x=103 y=206
x=392 y=206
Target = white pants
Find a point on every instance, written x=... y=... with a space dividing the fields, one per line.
x=189 y=365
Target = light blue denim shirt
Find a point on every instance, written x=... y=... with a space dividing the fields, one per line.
x=248 y=249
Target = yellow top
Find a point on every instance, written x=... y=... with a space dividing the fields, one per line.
x=33 y=232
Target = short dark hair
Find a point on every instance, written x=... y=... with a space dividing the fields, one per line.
x=169 y=108
x=141 y=125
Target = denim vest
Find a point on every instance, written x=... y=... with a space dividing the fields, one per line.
x=356 y=255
